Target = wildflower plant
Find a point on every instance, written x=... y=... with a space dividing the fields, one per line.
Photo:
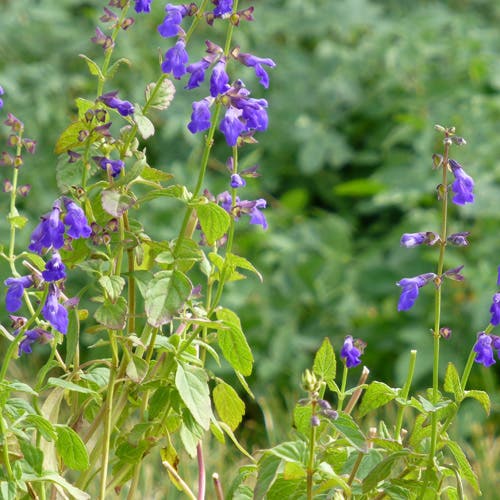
x=85 y=427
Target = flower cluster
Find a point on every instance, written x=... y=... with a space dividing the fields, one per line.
x=351 y=351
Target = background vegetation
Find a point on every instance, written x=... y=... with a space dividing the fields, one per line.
x=346 y=163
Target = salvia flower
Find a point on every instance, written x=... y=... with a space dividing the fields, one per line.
x=78 y=226
x=125 y=108
x=459 y=239
x=257 y=64
x=244 y=207
x=54 y=312
x=54 y=269
x=463 y=186
x=200 y=117
x=1 y=100
x=49 y=232
x=15 y=290
x=114 y=167
x=410 y=240
x=350 y=352
x=223 y=8
x=175 y=60
x=495 y=310
x=231 y=126
x=197 y=71
x=142 y=6
x=171 y=24
x=237 y=181
x=484 y=350
x=105 y=41
x=410 y=288
x=31 y=336
x=219 y=81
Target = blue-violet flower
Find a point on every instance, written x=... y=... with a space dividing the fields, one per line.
x=256 y=63
x=484 y=350
x=31 y=336
x=125 y=108
x=463 y=186
x=495 y=310
x=54 y=312
x=78 y=226
x=197 y=71
x=237 y=181
x=55 y=270
x=223 y=7
x=175 y=60
x=410 y=288
x=16 y=287
x=219 y=81
x=49 y=232
x=142 y=6
x=172 y=22
x=350 y=352
x=200 y=117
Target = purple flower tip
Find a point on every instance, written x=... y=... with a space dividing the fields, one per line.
x=200 y=117
x=78 y=226
x=350 y=352
x=484 y=350
x=175 y=60
x=16 y=287
x=143 y=6
x=410 y=288
x=55 y=270
x=463 y=186
x=30 y=337
x=125 y=108
x=495 y=310
x=54 y=312
x=237 y=181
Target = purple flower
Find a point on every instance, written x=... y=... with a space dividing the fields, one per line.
x=226 y=201
x=256 y=63
x=171 y=24
x=237 y=181
x=54 y=312
x=1 y=100
x=197 y=71
x=49 y=232
x=223 y=7
x=16 y=287
x=200 y=117
x=30 y=337
x=410 y=288
x=350 y=352
x=219 y=81
x=254 y=113
x=105 y=41
x=252 y=208
x=231 y=126
x=175 y=60
x=410 y=240
x=459 y=239
x=76 y=220
x=463 y=186
x=54 y=269
x=112 y=166
x=143 y=6
x=495 y=310
x=315 y=422
x=484 y=350
x=125 y=108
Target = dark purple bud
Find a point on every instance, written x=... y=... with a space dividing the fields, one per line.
x=175 y=60
x=126 y=23
x=82 y=135
x=101 y=115
x=324 y=404
x=24 y=190
x=103 y=40
x=350 y=353
x=237 y=181
x=459 y=141
x=410 y=288
x=31 y=336
x=410 y=240
x=7 y=186
x=454 y=274
x=16 y=287
x=113 y=225
x=18 y=161
x=108 y=16
x=331 y=414
x=30 y=145
x=459 y=239
x=445 y=332
x=484 y=350
x=103 y=130
x=73 y=156
x=315 y=422
x=17 y=321
x=463 y=186
x=118 y=3
x=495 y=310
x=15 y=124
x=12 y=140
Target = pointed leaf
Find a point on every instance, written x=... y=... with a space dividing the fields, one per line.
x=71 y=449
x=482 y=397
x=228 y=404
x=268 y=471
x=144 y=124
x=350 y=430
x=113 y=285
x=452 y=383
x=324 y=362
x=93 y=67
x=69 y=138
x=463 y=465
x=137 y=369
x=376 y=395
x=382 y=470
x=161 y=96
x=112 y=315
x=214 y=221
x=115 y=203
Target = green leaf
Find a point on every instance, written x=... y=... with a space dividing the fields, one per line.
x=214 y=220
x=144 y=124
x=267 y=472
x=228 y=404
x=72 y=336
x=114 y=67
x=132 y=453
x=18 y=221
x=160 y=97
x=42 y=425
x=290 y=451
x=154 y=175
x=324 y=362
x=137 y=369
x=302 y=419
x=452 y=383
x=113 y=286
x=32 y=455
x=376 y=395
x=69 y=386
x=93 y=67
x=480 y=396
x=293 y=470
x=191 y=382
x=69 y=138
x=283 y=488
x=83 y=106
x=350 y=430
x=131 y=172
x=112 y=315
x=115 y=203
x=60 y=483
x=382 y=470
x=175 y=191
x=233 y=343
x=463 y=465
x=71 y=449
x=167 y=293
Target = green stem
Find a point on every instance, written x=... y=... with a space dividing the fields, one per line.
x=5 y=449
x=404 y=394
x=312 y=446
x=342 y=389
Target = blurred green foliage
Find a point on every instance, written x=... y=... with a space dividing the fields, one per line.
x=346 y=163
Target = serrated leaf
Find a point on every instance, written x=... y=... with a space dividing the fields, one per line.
x=242 y=263
x=155 y=175
x=144 y=124
x=114 y=67
x=283 y=488
x=69 y=386
x=83 y=106
x=290 y=451
x=302 y=419
x=132 y=453
x=293 y=470
x=175 y=191
x=480 y=396
x=214 y=221
x=376 y=395
x=228 y=404
x=71 y=449
x=112 y=315
x=382 y=470
x=32 y=455
x=191 y=382
x=137 y=369
x=60 y=483
x=69 y=138
x=93 y=67
x=115 y=203
x=452 y=383
x=113 y=285
x=233 y=343
x=43 y=426
x=350 y=430
x=463 y=465
x=166 y=294
x=160 y=96
x=267 y=472
x=325 y=364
